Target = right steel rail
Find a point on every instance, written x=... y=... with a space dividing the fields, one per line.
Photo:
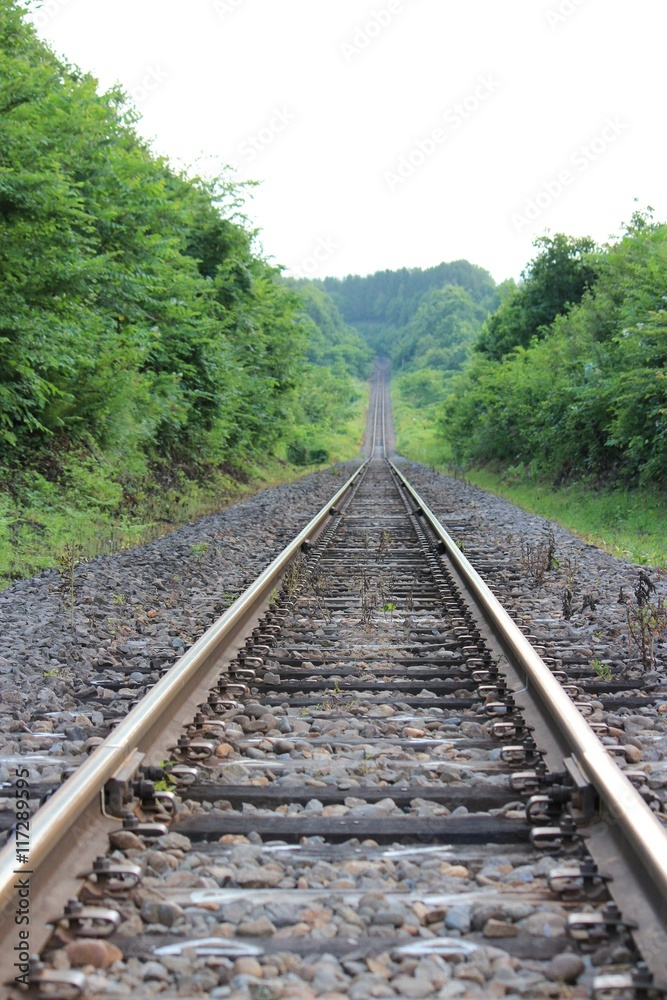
x=628 y=837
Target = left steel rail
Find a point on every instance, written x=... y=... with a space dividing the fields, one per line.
x=72 y=824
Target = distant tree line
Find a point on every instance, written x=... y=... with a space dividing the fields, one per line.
x=425 y=321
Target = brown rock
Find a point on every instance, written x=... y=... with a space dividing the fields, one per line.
x=565 y=968
x=633 y=755
x=416 y=988
x=99 y=954
x=125 y=840
x=248 y=967
x=131 y=927
x=499 y=929
x=471 y=973
x=262 y=927
x=455 y=871
x=337 y=810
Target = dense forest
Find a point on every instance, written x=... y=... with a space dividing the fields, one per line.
x=383 y=305
x=143 y=338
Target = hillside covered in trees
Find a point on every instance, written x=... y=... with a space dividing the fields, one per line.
x=149 y=353
x=425 y=321
x=390 y=307
x=144 y=341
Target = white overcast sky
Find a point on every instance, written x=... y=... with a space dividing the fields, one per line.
x=558 y=103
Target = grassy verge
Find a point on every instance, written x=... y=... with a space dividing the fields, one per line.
x=415 y=433
x=88 y=513
x=629 y=523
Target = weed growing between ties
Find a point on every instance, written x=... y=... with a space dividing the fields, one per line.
x=602 y=670
x=539 y=559
x=567 y=603
x=318 y=586
x=369 y=599
x=293 y=577
x=647 y=620
x=68 y=561
x=384 y=544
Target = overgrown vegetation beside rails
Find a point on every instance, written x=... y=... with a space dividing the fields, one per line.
x=146 y=347
x=416 y=398
x=627 y=522
x=84 y=514
x=562 y=407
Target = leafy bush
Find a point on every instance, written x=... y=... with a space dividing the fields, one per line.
x=588 y=395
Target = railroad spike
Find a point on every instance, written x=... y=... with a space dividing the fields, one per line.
x=113 y=877
x=61 y=984
x=88 y=921
x=574 y=881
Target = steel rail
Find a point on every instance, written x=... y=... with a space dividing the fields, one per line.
x=630 y=822
x=384 y=418
x=379 y=412
x=375 y=416
x=54 y=822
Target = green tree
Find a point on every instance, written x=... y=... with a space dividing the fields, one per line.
x=555 y=280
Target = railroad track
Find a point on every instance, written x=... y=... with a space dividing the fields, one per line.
x=362 y=781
